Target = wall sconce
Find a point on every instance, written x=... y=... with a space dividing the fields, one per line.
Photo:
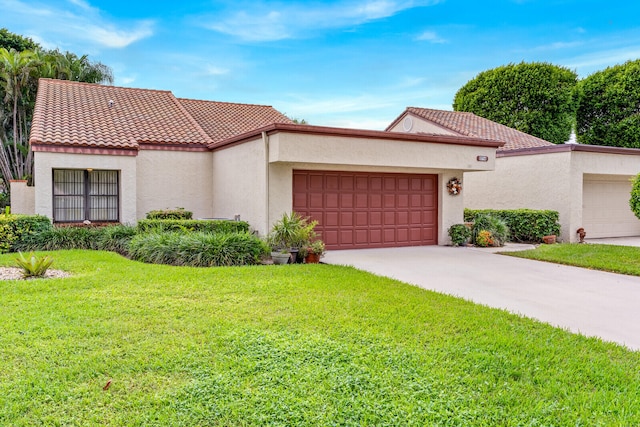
x=482 y=158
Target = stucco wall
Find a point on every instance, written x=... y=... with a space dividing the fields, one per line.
x=42 y=175
x=171 y=179
x=346 y=151
x=23 y=198
x=239 y=184
x=543 y=181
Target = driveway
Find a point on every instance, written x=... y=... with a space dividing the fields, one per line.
x=593 y=303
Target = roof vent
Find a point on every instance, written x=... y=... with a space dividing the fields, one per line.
x=111 y=103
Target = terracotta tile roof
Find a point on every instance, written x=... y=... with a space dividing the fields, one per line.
x=224 y=120
x=468 y=124
x=90 y=115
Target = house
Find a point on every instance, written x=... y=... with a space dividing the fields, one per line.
x=111 y=154
x=588 y=185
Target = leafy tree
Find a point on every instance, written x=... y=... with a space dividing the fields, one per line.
x=537 y=98
x=10 y=41
x=609 y=111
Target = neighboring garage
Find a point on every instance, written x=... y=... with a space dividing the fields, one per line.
x=605 y=207
x=369 y=210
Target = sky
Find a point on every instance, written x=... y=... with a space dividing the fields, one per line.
x=343 y=63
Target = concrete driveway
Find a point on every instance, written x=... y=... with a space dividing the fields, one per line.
x=593 y=303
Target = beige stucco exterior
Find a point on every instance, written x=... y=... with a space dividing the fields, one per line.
x=243 y=170
x=550 y=180
x=23 y=198
x=174 y=179
x=45 y=162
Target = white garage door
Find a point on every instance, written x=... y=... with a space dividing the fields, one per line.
x=605 y=208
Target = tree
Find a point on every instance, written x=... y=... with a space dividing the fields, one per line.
x=10 y=41
x=609 y=110
x=537 y=98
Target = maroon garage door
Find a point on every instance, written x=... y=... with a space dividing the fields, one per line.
x=369 y=210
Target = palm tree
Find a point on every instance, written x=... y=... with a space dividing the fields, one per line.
x=17 y=71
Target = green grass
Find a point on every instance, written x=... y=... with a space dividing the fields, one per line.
x=288 y=345
x=617 y=259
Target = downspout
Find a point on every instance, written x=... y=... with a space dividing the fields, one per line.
x=265 y=140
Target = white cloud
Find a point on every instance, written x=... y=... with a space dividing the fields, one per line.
x=214 y=70
x=430 y=36
x=586 y=64
x=78 y=23
x=268 y=22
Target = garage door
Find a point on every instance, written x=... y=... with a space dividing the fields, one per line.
x=369 y=210
x=605 y=208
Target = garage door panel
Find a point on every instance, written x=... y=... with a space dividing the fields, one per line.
x=605 y=208
x=358 y=210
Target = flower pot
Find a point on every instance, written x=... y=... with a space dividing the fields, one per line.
x=280 y=258
x=312 y=258
x=549 y=240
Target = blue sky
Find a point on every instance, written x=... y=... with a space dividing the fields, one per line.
x=347 y=63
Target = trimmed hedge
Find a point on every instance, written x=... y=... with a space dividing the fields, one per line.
x=525 y=225
x=178 y=213
x=14 y=229
x=199 y=225
x=198 y=249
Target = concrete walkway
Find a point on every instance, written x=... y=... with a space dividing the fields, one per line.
x=593 y=303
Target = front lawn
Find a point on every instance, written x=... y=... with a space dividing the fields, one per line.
x=617 y=259
x=288 y=345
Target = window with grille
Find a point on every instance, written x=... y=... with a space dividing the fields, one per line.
x=80 y=195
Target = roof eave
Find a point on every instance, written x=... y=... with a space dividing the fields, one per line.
x=357 y=133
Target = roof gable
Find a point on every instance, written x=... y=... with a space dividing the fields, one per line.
x=468 y=124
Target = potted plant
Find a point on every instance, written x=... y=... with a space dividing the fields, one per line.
x=314 y=251
x=281 y=257
x=292 y=232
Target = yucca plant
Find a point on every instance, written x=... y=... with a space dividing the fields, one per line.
x=33 y=265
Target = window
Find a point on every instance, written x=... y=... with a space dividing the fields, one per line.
x=80 y=195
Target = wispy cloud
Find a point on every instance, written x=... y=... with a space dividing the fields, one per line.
x=271 y=22
x=588 y=63
x=78 y=21
x=430 y=36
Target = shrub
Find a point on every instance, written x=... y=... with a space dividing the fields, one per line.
x=197 y=249
x=178 y=213
x=634 y=201
x=4 y=200
x=484 y=238
x=16 y=228
x=497 y=228
x=525 y=225
x=459 y=234
x=116 y=238
x=58 y=238
x=202 y=225
x=32 y=265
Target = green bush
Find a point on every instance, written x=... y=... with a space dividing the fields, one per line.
x=202 y=225
x=497 y=229
x=116 y=238
x=16 y=228
x=113 y=238
x=4 y=200
x=178 y=213
x=197 y=249
x=59 y=238
x=525 y=225
x=634 y=201
x=459 y=234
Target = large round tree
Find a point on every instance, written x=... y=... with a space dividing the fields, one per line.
x=609 y=111
x=537 y=98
